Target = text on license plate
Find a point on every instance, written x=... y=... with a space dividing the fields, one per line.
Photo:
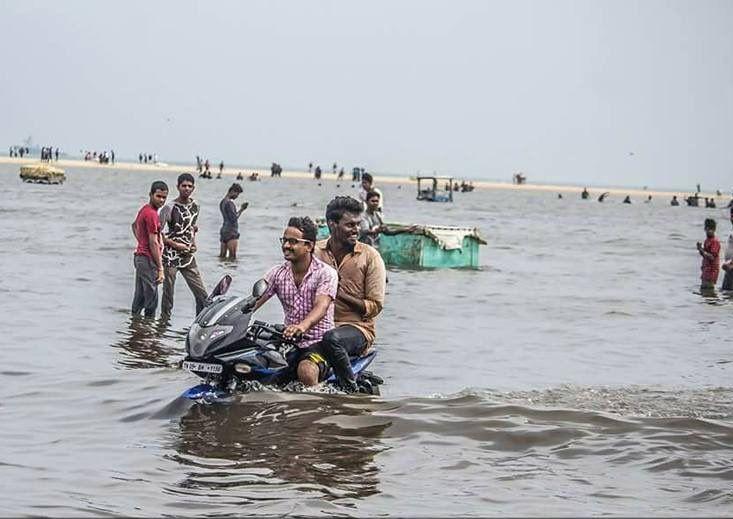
x=202 y=366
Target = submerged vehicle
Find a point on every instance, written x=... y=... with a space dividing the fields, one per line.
x=42 y=174
x=230 y=352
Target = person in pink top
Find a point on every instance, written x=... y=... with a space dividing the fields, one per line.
x=147 y=259
x=306 y=288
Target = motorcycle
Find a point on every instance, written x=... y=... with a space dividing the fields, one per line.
x=231 y=352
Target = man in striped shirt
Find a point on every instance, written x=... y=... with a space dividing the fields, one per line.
x=306 y=288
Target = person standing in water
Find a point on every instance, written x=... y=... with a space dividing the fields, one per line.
x=710 y=252
x=147 y=258
x=372 y=224
x=229 y=232
x=367 y=185
x=728 y=263
x=179 y=242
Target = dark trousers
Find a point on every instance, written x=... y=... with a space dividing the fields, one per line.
x=727 y=281
x=146 y=289
x=340 y=343
x=193 y=279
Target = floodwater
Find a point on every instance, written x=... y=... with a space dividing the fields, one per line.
x=577 y=372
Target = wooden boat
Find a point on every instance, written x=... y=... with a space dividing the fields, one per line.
x=430 y=246
x=42 y=174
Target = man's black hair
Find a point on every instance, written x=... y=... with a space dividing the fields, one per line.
x=371 y=194
x=304 y=225
x=185 y=177
x=340 y=205
x=158 y=185
x=710 y=223
x=236 y=187
x=367 y=177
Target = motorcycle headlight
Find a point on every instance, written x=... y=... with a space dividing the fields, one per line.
x=199 y=339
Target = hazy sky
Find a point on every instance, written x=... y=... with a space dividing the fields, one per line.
x=597 y=92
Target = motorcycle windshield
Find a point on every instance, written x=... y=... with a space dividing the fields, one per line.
x=214 y=313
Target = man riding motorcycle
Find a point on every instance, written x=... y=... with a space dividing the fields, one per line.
x=306 y=288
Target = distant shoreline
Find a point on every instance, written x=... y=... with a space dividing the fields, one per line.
x=378 y=179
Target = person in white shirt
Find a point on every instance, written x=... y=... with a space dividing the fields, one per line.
x=727 y=265
x=367 y=185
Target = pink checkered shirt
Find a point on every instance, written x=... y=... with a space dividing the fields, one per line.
x=297 y=302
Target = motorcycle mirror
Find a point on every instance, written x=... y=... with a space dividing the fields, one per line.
x=221 y=287
x=259 y=288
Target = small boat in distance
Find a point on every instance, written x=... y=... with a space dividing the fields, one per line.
x=430 y=192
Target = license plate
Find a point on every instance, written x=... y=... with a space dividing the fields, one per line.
x=202 y=366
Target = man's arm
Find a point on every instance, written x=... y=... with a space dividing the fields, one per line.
x=261 y=301
x=354 y=302
x=154 y=245
x=173 y=244
x=242 y=208
x=397 y=230
x=165 y=219
x=374 y=288
x=711 y=254
x=320 y=307
x=134 y=229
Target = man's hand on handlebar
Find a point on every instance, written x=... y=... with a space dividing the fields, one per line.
x=294 y=332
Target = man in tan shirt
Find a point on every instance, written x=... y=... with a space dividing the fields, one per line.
x=361 y=286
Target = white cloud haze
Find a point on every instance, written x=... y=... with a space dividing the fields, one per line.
x=564 y=91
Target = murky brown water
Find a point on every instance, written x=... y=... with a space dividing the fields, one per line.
x=575 y=373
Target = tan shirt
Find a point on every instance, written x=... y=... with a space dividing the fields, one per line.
x=361 y=275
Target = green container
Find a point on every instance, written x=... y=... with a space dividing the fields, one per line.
x=430 y=247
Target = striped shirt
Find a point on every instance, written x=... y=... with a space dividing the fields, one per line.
x=298 y=301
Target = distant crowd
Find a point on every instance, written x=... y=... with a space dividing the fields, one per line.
x=145 y=158
x=691 y=200
x=203 y=166
x=356 y=172
x=47 y=152
x=19 y=151
x=103 y=157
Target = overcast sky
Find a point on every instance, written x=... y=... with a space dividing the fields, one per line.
x=599 y=92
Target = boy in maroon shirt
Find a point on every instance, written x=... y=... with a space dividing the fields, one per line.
x=147 y=259
x=710 y=252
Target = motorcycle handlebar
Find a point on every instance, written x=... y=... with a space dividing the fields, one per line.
x=274 y=329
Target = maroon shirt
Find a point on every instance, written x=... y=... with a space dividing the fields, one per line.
x=711 y=267
x=146 y=223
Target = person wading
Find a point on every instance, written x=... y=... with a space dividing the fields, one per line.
x=181 y=217
x=229 y=232
x=147 y=258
